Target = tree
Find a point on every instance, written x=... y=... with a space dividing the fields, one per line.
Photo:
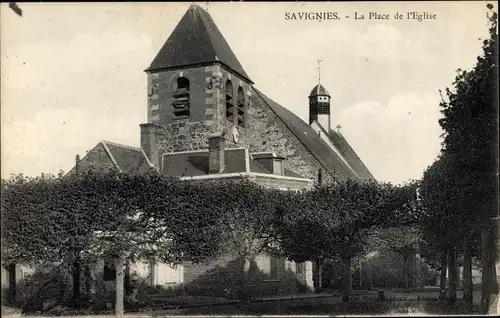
x=44 y=220
x=115 y=201
x=304 y=232
x=71 y=220
x=470 y=142
x=331 y=221
x=403 y=241
x=443 y=227
x=246 y=220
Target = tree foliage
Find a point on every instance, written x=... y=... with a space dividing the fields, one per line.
x=332 y=221
x=93 y=214
x=460 y=190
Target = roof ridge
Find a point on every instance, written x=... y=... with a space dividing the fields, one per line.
x=340 y=154
x=110 y=155
x=352 y=149
x=196 y=40
x=121 y=145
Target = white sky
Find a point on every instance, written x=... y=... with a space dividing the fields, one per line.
x=72 y=74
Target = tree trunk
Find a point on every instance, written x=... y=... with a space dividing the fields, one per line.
x=361 y=273
x=127 y=286
x=88 y=279
x=467 y=276
x=317 y=277
x=244 y=280
x=76 y=282
x=369 y=275
x=453 y=277
x=489 y=280
x=411 y=270
x=416 y=270
x=11 y=268
x=497 y=265
x=119 y=306
x=420 y=273
x=442 y=281
x=405 y=271
x=346 y=278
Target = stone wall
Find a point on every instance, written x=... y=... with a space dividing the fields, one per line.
x=268 y=133
x=280 y=183
x=263 y=131
x=267 y=275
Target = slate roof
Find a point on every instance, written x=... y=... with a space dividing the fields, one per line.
x=319 y=90
x=349 y=154
x=320 y=150
x=127 y=159
x=196 y=40
x=191 y=164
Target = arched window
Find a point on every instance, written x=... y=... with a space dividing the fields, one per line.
x=181 y=98
x=230 y=114
x=241 y=107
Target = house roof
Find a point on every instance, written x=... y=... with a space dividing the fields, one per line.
x=319 y=90
x=192 y=164
x=196 y=40
x=320 y=150
x=349 y=154
x=126 y=158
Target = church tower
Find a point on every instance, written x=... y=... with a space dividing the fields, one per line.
x=319 y=107
x=196 y=88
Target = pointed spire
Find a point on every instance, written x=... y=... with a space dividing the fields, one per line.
x=196 y=40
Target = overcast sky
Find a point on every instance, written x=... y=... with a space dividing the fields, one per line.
x=72 y=74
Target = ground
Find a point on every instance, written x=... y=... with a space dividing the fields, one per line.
x=362 y=302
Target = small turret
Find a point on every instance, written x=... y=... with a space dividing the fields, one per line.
x=319 y=106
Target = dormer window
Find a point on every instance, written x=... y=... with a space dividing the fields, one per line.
x=230 y=113
x=181 y=98
x=271 y=162
x=241 y=107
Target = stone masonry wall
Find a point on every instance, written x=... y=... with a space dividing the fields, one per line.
x=263 y=131
x=223 y=277
x=281 y=183
x=207 y=107
x=268 y=133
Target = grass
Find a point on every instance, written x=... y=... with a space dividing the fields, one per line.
x=328 y=307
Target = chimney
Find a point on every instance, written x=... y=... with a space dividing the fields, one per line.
x=278 y=165
x=320 y=176
x=149 y=142
x=271 y=162
x=216 y=145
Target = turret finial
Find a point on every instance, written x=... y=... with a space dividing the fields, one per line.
x=319 y=70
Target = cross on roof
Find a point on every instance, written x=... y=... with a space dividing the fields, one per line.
x=338 y=128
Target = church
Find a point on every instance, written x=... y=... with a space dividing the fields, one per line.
x=206 y=120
